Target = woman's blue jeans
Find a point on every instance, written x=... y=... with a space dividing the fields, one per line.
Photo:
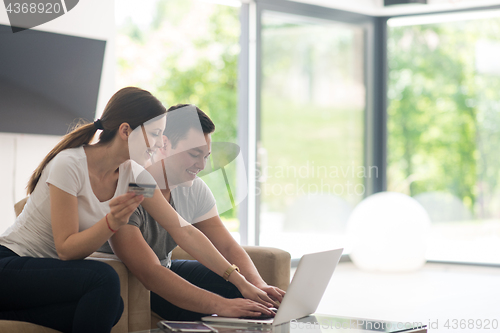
x=69 y=296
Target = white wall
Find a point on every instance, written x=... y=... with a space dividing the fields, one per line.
x=20 y=154
x=6 y=170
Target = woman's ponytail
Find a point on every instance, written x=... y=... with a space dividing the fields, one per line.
x=80 y=135
x=130 y=105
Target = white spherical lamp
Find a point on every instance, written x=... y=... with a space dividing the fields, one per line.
x=388 y=232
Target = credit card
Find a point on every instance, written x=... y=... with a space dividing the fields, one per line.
x=147 y=190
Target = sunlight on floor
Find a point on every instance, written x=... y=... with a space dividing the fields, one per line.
x=438 y=292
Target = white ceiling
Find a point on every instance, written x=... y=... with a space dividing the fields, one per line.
x=376 y=7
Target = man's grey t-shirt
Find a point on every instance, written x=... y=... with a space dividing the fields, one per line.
x=190 y=202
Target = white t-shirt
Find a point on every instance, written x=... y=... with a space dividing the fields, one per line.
x=31 y=235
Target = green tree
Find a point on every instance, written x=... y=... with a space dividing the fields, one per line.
x=439 y=139
x=209 y=83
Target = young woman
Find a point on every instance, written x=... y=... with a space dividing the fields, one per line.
x=78 y=199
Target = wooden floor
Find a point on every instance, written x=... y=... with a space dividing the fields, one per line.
x=437 y=292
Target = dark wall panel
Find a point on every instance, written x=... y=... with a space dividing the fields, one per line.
x=47 y=80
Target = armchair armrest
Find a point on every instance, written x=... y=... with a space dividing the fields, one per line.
x=136 y=313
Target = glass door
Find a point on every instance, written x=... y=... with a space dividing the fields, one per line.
x=311 y=171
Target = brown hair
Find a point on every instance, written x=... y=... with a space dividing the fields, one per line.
x=129 y=105
x=178 y=124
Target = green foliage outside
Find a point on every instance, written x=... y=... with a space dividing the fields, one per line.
x=209 y=84
x=444 y=115
x=313 y=137
x=188 y=54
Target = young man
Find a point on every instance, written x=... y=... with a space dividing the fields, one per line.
x=186 y=290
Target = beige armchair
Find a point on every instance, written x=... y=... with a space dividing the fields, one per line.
x=272 y=264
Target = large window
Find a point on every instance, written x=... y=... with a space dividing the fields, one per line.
x=444 y=129
x=317 y=75
x=312 y=123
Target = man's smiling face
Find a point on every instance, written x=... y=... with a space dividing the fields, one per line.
x=186 y=159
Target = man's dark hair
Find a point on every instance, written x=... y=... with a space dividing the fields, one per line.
x=179 y=123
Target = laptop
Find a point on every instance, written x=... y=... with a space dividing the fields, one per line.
x=304 y=293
